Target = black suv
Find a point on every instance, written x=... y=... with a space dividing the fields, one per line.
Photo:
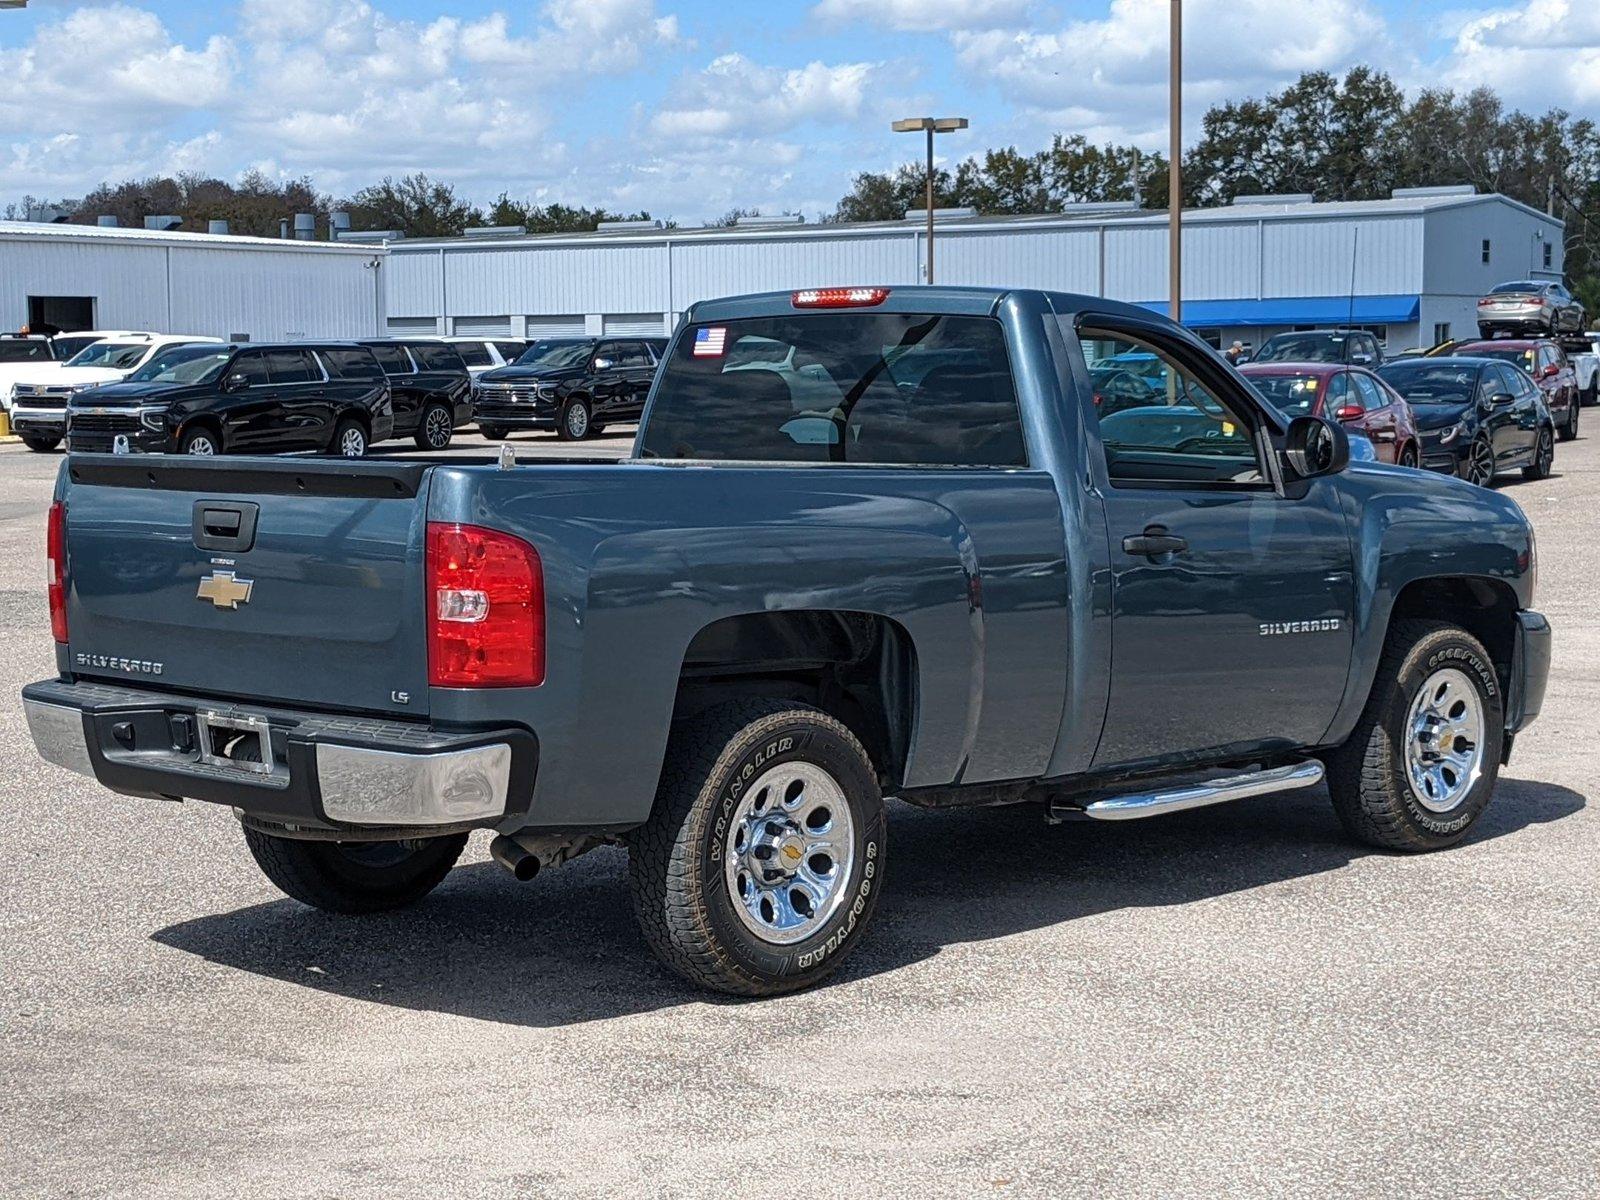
x=576 y=386
x=430 y=386
x=249 y=399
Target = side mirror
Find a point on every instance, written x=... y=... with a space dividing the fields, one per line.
x=1500 y=399
x=235 y=382
x=603 y=364
x=1316 y=446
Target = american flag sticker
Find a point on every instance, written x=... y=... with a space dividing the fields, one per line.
x=711 y=341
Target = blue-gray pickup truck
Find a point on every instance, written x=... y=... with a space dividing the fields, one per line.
x=870 y=542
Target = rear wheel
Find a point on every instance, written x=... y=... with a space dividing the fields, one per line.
x=1421 y=765
x=1591 y=395
x=435 y=429
x=762 y=860
x=1544 y=456
x=41 y=444
x=201 y=441
x=1569 y=430
x=355 y=877
x=574 y=423
x=350 y=439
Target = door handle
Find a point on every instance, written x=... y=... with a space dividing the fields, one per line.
x=1153 y=542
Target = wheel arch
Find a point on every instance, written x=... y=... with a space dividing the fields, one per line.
x=208 y=421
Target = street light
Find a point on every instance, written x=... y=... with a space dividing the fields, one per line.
x=932 y=125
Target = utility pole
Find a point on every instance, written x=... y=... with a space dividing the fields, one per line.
x=1175 y=165
x=932 y=125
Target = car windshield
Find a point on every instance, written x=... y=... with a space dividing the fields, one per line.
x=1302 y=347
x=1516 y=357
x=184 y=364
x=1432 y=383
x=115 y=356
x=556 y=354
x=15 y=350
x=1522 y=285
x=1292 y=395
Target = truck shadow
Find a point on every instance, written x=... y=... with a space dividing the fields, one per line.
x=563 y=949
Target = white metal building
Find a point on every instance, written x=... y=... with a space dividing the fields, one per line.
x=93 y=277
x=1411 y=267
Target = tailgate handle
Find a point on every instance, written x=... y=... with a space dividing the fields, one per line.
x=225 y=525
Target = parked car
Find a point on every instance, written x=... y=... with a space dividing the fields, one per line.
x=1586 y=366
x=576 y=386
x=1549 y=367
x=1478 y=416
x=33 y=357
x=1353 y=396
x=247 y=398
x=1116 y=389
x=429 y=387
x=1529 y=306
x=1351 y=346
x=482 y=354
x=39 y=401
x=723 y=654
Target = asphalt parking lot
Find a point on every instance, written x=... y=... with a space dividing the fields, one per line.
x=1233 y=1002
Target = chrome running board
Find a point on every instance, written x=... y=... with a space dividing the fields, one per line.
x=1130 y=806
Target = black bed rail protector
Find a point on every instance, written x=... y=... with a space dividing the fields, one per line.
x=251 y=476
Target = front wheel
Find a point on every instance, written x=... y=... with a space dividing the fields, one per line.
x=355 y=877
x=201 y=442
x=1422 y=763
x=41 y=445
x=762 y=860
x=1569 y=430
x=1544 y=456
x=1479 y=467
x=574 y=423
x=350 y=439
x=435 y=429
x=1408 y=457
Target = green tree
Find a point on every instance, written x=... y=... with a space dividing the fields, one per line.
x=416 y=205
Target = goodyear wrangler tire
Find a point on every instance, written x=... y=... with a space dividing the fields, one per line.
x=1421 y=765
x=762 y=860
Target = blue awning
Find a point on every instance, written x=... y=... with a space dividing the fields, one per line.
x=1297 y=310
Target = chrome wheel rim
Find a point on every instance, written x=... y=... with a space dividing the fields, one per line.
x=791 y=845
x=437 y=428
x=202 y=446
x=577 y=420
x=1480 y=469
x=1444 y=740
x=352 y=443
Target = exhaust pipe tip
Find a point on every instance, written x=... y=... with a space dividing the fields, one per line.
x=511 y=855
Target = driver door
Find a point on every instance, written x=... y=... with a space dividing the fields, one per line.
x=1232 y=603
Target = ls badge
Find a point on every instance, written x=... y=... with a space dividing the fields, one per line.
x=225 y=589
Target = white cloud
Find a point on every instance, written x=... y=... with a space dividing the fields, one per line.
x=1545 y=54
x=916 y=15
x=734 y=95
x=1108 y=77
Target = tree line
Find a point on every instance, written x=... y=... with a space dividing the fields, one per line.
x=1354 y=138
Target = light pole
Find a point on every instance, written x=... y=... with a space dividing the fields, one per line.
x=932 y=125
x=1175 y=164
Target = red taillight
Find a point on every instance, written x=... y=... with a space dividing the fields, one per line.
x=56 y=553
x=861 y=297
x=485 y=609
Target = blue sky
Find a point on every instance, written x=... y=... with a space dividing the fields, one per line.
x=687 y=107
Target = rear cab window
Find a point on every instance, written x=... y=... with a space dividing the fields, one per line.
x=902 y=389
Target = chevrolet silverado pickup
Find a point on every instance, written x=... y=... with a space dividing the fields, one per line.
x=906 y=557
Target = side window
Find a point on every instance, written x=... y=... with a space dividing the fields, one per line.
x=474 y=354
x=611 y=351
x=1372 y=396
x=1511 y=381
x=291 y=366
x=435 y=356
x=632 y=354
x=1184 y=434
x=393 y=359
x=253 y=366
x=1338 y=394
x=351 y=362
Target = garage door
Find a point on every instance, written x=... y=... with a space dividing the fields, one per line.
x=488 y=327
x=635 y=325
x=413 y=326
x=555 y=327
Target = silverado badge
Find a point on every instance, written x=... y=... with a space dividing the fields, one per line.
x=225 y=589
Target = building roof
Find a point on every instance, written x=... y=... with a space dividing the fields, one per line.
x=1248 y=211
x=126 y=235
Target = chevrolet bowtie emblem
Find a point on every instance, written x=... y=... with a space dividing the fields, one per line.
x=225 y=589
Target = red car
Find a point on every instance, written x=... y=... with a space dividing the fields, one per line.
x=1353 y=396
x=1550 y=367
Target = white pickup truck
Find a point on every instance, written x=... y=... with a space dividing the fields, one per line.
x=1586 y=363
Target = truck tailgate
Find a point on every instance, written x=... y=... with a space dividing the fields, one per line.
x=277 y=580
